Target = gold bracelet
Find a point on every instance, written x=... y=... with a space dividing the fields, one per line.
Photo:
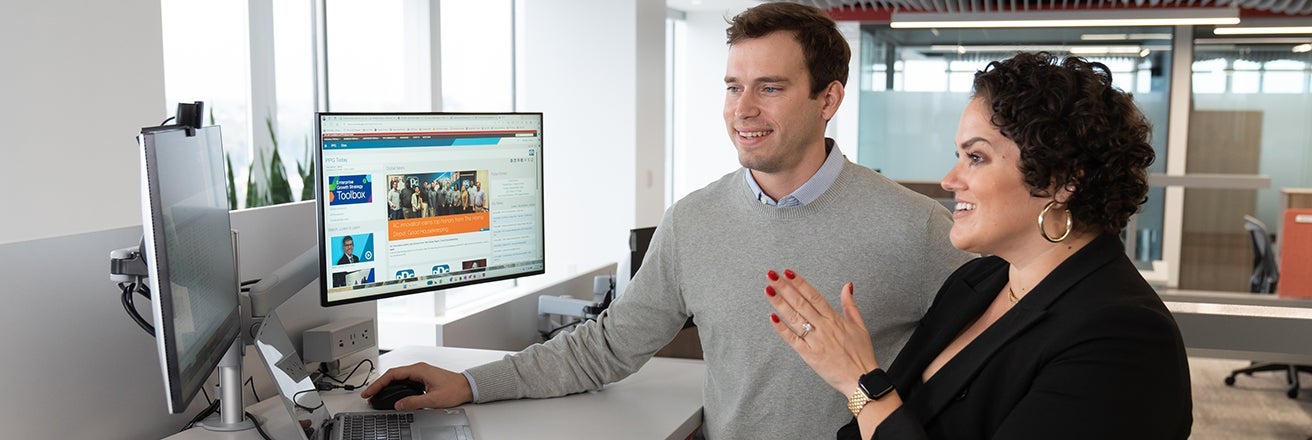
x=856 y=401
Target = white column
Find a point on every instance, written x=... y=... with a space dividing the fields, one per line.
x=263 y=101
x=1177 y=148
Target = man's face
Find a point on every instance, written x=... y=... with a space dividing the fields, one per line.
x=768 y=110
x=348 y=245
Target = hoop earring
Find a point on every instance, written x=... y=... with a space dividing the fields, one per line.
x=1044 y=232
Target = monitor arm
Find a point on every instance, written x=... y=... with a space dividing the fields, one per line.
x=275 y=289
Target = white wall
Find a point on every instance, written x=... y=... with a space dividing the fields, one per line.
x=703 y=152
x=80 y=80
x=578 y=62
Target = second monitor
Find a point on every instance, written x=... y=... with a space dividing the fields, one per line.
x=414 y=202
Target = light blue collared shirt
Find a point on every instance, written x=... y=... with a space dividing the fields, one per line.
x=812 y=189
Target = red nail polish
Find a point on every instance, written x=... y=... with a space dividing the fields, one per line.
x=772 y=275
x=775 y=318
x=790 y=274
x=769 y=290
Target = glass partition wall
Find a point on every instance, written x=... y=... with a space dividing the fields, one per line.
x=915 y=83
x=1251 y=115
x=1249 y=123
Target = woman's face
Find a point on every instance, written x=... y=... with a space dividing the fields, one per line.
x=995 y=212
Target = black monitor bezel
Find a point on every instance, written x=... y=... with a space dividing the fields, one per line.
x=322 y=239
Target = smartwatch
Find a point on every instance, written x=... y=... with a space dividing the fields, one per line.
x=871 y=386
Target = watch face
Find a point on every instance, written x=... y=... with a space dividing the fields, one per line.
x=876 y=383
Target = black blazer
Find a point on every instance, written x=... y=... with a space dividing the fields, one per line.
x=1090 y=352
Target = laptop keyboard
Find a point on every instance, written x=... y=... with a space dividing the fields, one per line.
x=391 y=426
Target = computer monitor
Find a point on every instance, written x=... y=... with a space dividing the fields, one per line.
x=189 y=255
x=416 y=202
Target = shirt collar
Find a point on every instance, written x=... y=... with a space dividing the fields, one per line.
x=813 y=188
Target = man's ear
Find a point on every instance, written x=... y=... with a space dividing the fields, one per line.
x=832 y=97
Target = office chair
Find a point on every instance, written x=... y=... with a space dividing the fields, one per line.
x=1264 y=279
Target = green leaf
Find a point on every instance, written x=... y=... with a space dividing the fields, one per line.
x=306 y=171
x=254 y=198
x=232 y=186
x=280 y=191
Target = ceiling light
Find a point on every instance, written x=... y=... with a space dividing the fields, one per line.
x=1262 y=30
x=1302 y=48
x=1103 y=37
x=1249 y=40
x=1150 y=36
x=1104 y=50
x=1074 y=18
x=1144 y=53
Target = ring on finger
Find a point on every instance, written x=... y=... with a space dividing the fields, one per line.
x=806 y=329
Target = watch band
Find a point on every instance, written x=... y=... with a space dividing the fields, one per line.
x=857 y=401
x=871 y=386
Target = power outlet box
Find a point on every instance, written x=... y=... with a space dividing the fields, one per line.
x=338 y=339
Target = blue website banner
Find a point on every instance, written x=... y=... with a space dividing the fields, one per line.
x=349 y=190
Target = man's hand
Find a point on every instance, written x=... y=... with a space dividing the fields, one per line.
x=442 y=388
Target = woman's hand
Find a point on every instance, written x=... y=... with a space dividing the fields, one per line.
x=837 y=346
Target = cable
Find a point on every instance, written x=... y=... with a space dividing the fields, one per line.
x=166 y=121
x=552 y=333
x=298 y=403
x=251 y=380
x=209 y=410
x=323 y=368
x=258 y=428
x=131 y=308
x=207 y=395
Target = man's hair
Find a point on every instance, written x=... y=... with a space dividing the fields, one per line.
x=1074 y=129
x=823 y=46
x=346 y=239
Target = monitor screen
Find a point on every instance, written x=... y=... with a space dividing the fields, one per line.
x=189 y=255
x=415 y=202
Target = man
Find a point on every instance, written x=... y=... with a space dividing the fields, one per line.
x=407 y=199
x=434 y=198
x=394 y=202
x=348 y=251
x=477 y=197
x=799 y=204
x=452 y=196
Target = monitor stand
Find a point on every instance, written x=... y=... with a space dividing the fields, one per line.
x=232 y=414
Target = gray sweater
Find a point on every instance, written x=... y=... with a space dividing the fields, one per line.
x=708 y=260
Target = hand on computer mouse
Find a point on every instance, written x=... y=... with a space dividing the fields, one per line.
x=386 y=398
x=443 y=389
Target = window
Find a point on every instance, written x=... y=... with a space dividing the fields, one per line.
x=206 y=59
x=378 y=57
x=477 y=56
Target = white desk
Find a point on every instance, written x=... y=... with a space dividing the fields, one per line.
x=1246 y=326
x=663 y=400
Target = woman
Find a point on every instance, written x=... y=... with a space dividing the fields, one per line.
x=1054 y=334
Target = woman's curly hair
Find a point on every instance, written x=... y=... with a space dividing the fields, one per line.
x=1075 y=131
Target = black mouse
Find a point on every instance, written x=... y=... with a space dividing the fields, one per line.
x=398 y=389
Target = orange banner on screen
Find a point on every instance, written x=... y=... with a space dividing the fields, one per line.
x=437 y=226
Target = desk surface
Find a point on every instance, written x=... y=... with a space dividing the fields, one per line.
x=1242 y=325
x=663 y=400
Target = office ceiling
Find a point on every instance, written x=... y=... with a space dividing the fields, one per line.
x=1286 y=7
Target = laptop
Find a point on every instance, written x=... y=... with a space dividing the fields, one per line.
x=306 y=407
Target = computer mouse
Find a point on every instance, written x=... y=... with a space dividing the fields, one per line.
x=398 y=389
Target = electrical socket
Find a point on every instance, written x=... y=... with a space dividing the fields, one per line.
x=338 y=339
